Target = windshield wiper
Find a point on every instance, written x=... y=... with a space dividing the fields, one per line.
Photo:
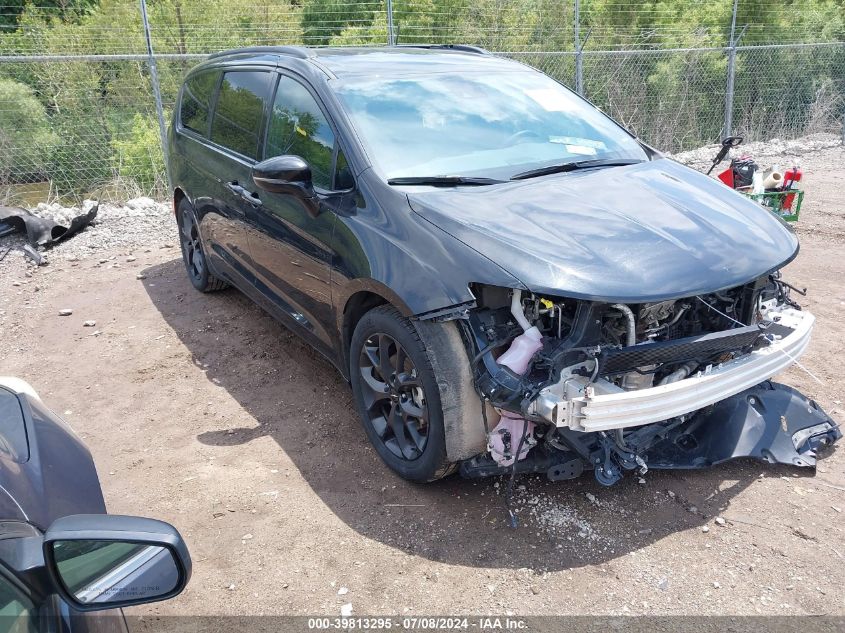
x=574 y=166
x=443 y=181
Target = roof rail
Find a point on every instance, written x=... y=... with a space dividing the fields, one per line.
x=293 y=51
x=465 y=48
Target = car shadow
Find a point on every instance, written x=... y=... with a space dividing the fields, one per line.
x=299 y=399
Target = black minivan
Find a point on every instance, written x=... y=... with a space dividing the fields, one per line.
x=509 y=279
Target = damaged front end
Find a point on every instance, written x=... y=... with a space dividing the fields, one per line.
x=572 y=385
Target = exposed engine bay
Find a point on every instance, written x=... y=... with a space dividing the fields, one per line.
x=571 y=385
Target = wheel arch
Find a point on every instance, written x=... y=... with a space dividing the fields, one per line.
x=179 y=195
x=360 y=298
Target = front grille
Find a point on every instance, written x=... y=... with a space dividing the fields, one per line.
x=701 y=348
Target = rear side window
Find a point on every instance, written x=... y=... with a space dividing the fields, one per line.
x=196 y=101
x=239 y=111
x=297 y=126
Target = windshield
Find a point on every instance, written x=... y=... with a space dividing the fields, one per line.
x=494 y=125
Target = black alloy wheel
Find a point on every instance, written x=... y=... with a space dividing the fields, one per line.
x=193 y=254
x=397 y=394
x=191 y=247
x=394 y=397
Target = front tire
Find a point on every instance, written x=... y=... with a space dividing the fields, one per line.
x=397 y=395
x=193 y=255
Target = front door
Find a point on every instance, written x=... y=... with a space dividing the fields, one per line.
x=291 y=241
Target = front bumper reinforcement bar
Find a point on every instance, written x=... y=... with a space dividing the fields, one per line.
x=580 y=404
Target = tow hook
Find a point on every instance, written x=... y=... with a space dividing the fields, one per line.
x=611 y=459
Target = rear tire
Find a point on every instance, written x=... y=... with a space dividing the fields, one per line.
x=193 y=255
x=397 y=395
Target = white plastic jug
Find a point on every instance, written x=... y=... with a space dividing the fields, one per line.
x=522 y=350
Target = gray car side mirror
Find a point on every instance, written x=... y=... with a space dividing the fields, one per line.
x=104 y=561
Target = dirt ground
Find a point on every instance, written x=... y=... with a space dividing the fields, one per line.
x=203 y=411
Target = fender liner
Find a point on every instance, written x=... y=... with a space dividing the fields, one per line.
x=461 y=405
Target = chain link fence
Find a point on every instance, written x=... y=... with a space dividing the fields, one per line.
x=80 y=80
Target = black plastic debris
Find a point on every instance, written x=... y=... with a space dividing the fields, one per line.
x=44 y=231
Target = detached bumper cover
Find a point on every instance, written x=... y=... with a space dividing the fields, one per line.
x=771 y=422
x=587 y=410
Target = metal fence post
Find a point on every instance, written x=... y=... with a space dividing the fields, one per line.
x=729 y=89
x=579 y=59
x=151 y=60
x=391 y=34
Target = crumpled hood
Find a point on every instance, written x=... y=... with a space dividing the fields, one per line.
x=645 y=232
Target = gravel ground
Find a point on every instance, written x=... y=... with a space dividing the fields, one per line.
x=201 y=410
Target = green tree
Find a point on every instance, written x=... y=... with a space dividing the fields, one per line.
x=138 y=156
x=26 y=137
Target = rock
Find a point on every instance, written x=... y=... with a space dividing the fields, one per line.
x=720 y=521
x=692 y=509
x=246 y=537
x=716 y=585
x=591 y=497
x=65 y=312
x=231 y=587
x=663 y=584
x=671 y=494
x=16 y=283
x=131 y=259
x=535 y=590
x=640 y=481
x=342 y=591
x=705 y=529
x=346 y=610
x=140 y=276
x=89 y=324
x=141 y=203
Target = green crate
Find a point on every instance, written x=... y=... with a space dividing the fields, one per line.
x=773 y=201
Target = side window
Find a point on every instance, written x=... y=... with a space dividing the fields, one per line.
x=17 y=613
x=297 y=126
x=196 y=101
x=239 y=110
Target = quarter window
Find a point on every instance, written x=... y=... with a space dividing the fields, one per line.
x=297 y=126
x=13 y=442
x=343 y=174
x=196 y=101
x=239 y=110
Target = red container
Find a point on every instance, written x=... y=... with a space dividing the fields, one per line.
x=727 y=177
x=790 y=178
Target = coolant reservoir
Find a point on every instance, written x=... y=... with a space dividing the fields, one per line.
x=522 y=350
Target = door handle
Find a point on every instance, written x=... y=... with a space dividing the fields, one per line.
x=235 y=188
x=241 y=192
x=250 y=198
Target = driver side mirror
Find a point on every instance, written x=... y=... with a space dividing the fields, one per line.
x=284 y=174
x=103 y=561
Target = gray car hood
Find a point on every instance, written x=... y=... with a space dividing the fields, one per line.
x=645 y=232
